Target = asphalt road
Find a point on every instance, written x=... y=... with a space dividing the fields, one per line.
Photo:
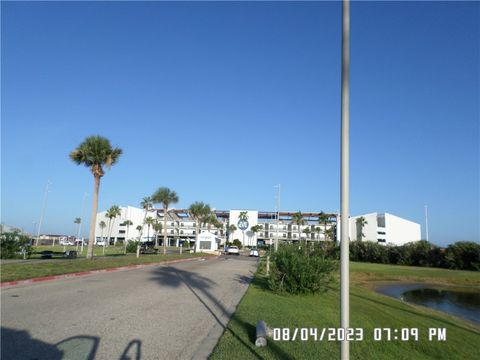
x=162 y=312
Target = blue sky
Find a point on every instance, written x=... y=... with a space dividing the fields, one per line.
x=220 y=101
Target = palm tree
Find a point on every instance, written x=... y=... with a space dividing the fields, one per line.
x=77 y=221
x=157 y=227
x=219 y=225
x=139 y=228
x=149 y=221
x=102 y=225
x=323 y=219
x=360 y=222
x=307 y=232
x=298 y=219
x=165 y=196
x=127 y=223
x=111 y=214
x=256 y=228
x=243 y=216
x=146 y=205
x=209 y=220
x=198 y=210
x=95 y=152
x=231 y=229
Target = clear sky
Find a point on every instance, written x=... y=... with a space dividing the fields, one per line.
x=220 y=101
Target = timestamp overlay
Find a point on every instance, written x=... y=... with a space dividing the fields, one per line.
x=359 y=334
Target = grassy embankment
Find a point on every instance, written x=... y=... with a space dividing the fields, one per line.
x=369 y=310
x=57 y=266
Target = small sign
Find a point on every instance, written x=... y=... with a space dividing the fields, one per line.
x=242 y=224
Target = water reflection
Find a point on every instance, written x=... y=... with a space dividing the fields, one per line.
x=454 y=301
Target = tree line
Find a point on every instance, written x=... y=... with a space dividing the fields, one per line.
x=462 y=255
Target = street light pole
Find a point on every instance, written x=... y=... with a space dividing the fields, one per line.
x=81 y=220
x=278 y=215
x=344 y=175
x=45 y=198
x=426 y=222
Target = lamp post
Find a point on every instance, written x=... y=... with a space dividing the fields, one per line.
x=277 y=214
x=426 y=222
x=45 y=198
x=344 y=175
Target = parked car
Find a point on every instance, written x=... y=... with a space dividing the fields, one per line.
x=233 y=250
x=66 y=242
x=100 y=242
x=254 y=252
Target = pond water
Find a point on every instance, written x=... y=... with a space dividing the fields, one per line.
x=461 y=302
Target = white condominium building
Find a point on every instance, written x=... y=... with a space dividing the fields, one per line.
x=384 y=228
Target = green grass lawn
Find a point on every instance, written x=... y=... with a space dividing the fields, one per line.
x=25 y=270
x=369 y=310
x=97 y=250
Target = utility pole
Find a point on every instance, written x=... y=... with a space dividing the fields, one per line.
x=278 y=215
x=344 y=175
x=45 y=198
x=80 y=226
x=426 y=222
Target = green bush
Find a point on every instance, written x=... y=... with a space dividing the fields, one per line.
x=297 y=270
x=237 y=243
x=13 y=245
x=463 y=255
x=132 y=246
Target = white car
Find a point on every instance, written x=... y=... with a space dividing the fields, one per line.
x=254 y=252
x=233 y=250
x=66 y=242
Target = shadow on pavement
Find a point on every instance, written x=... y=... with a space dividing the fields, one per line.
x=19 y=345
x=200 y=287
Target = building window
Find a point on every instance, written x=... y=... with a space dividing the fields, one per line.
x=181 y=224
x=381 y=220
x=381 y=240
x=121 y=231
x=381 y=232
x=284 y=235
x=205 y=245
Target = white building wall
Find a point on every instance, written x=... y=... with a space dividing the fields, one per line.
x=247 y=237
x=401 y=231
x=397 y=231
x=369 y=230
x=136 y=215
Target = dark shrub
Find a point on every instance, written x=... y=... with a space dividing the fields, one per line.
x=237 y=243
x=463 y=255
x=13 y=245
x=132 y=246
x=295 y=270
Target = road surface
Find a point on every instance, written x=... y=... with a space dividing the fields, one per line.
x=175 y=311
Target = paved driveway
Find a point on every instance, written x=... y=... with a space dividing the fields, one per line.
x=160 y=312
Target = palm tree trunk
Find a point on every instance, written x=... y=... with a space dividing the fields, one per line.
x=93 y=218
x=125 y=241
x=197 y=229
x=165 y=230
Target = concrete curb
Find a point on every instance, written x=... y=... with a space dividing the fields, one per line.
x=92 y=272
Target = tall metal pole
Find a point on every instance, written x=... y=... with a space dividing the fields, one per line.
x=278 y=216
x=426 y=222
x=81 y=221
x=45 y=198
x=345 y=173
